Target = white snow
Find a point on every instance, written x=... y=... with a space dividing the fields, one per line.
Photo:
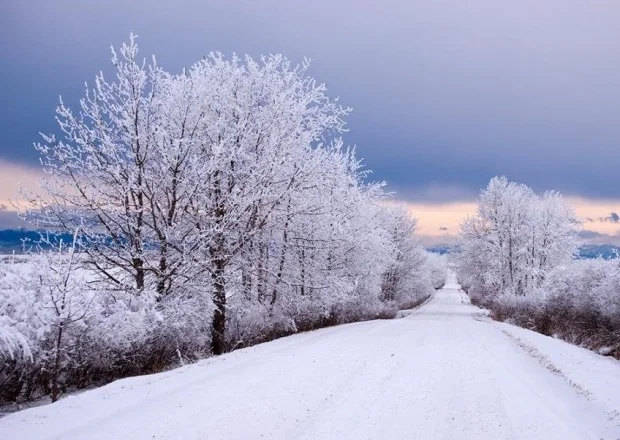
x=594 y=376
x=443 y=372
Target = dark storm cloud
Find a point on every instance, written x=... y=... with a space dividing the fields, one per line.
x=613 y=217
x=593 y=237
x=446 y=94
x=589 y=235
x=432 y=192
x=9 y=219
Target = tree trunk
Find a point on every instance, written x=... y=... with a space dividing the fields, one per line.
x=56 y=372
x=163 y=267
x=218 y=329
x=302 y=265
x=280 y=274
x=263 y=266
x=138 y=265
x=218 y=259
x=246 y=281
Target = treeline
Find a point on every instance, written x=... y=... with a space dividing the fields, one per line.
x=517 y=259
x=209 y=210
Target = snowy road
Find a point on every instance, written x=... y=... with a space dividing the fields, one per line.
x=444 y=372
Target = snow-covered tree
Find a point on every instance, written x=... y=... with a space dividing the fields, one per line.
x=215 y=208
x=12 y=343
x=514 y=239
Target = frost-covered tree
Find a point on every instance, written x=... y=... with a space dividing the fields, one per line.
x=262 y=120
x=437 y=267
x=409 y=265
x=514 y=239
x=63 y=299
x=215 y=208
x=12 y=343
x=96 y=175
x=170 y=176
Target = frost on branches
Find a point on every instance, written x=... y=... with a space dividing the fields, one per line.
x=515 y=239
x=517 y=258
x=210 y=209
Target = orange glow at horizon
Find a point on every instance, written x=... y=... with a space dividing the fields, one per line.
x=432 y=217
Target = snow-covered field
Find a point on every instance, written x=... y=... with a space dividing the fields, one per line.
x=442 y=372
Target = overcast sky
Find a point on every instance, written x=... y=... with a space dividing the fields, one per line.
x=446 y=94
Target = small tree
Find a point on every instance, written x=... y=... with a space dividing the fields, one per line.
x=95 y=179
x=65 y=301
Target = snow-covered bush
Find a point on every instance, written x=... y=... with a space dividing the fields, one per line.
x=12 y=343
x=578 y=302
x=70 y=332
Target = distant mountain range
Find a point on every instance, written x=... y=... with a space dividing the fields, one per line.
x=605 y=251
x=586 y=251
x=13 y=240
x=16 y=240
x=441 y=249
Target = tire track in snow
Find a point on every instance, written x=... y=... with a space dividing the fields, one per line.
x=547 y=364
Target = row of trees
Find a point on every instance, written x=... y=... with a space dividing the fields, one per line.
x=517 y=258
x=209 y=210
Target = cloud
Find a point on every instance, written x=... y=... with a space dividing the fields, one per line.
x=14 y=175
x=471 y=89
x=9 y=219
x=433 y=193
x=613 y=218
x=593 y=237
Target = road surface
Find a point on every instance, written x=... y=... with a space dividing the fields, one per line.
x=443 y=372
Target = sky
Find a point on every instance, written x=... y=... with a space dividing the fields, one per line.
x=446 y=94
